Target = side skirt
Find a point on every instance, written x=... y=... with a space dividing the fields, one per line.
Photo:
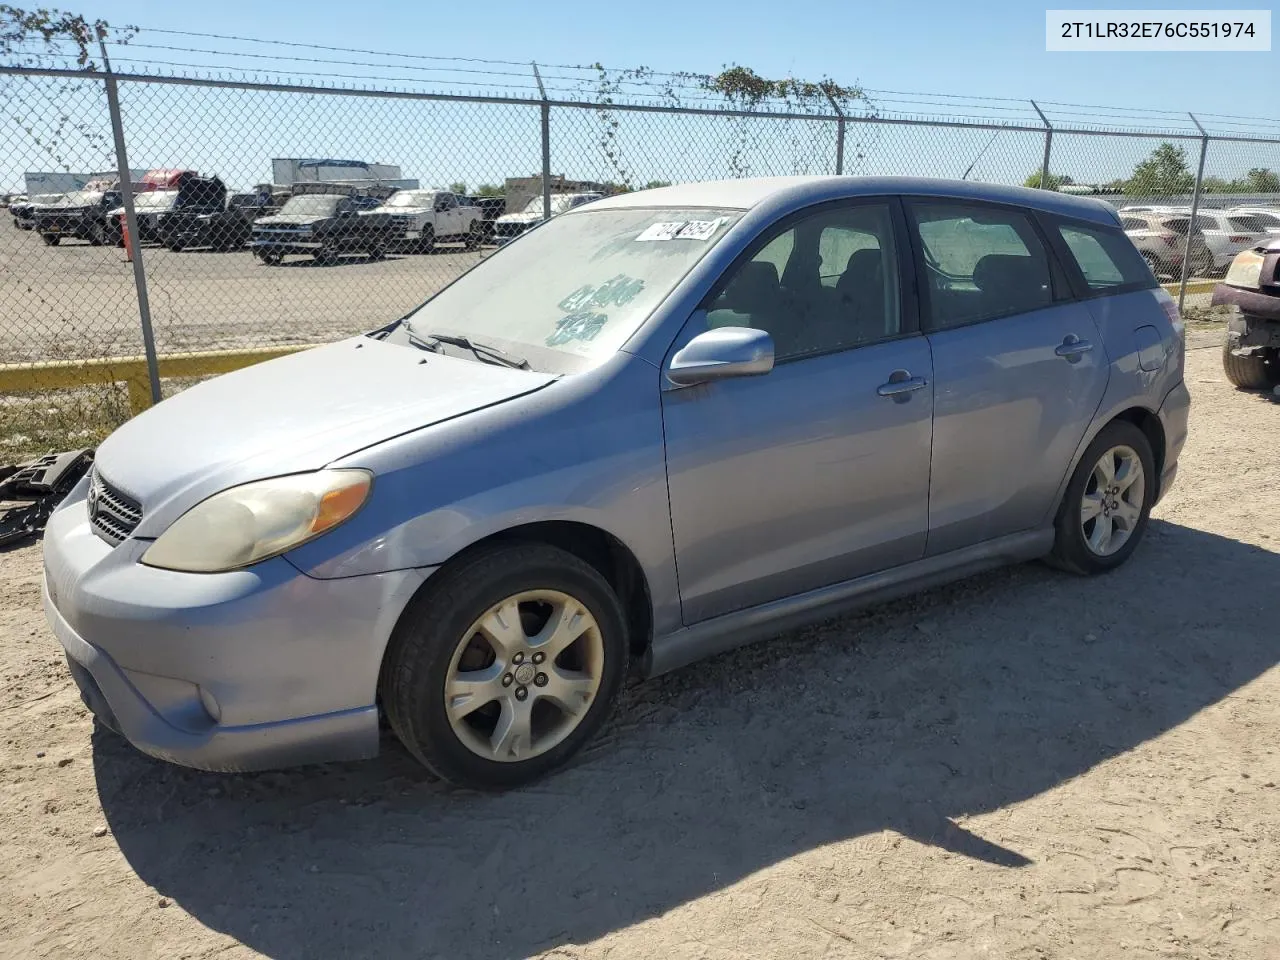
x=719 y=634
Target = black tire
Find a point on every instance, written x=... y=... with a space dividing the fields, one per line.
x=1071 y=550
x=97 y=234
x=1252 y=372
x=377 y=252
x=327 y=256
x=176 y=246
x=1156 y=264
x=418 y=657
x=427 y=242
x=270 y=257
x=50 y=239
x=472 y=239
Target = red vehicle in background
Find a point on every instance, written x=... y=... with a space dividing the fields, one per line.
x=161 y=179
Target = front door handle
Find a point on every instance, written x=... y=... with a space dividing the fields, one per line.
x=901 y=384
x=1072 y=348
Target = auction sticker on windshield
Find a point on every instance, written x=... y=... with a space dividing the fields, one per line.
x=682 y=229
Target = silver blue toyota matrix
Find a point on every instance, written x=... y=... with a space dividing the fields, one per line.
x=653 y=428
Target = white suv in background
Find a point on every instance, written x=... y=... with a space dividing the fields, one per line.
x=424 y=218
x=1227 y=232
x=1269 y=217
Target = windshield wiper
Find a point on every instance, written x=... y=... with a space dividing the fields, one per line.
x=482 y=350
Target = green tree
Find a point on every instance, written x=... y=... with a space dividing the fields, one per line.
x=1054 y=180
x=1163 y=173
x=459 y=188
x=490 y=190
x=657 y=183
x=1262 y=180
x=1218 y=185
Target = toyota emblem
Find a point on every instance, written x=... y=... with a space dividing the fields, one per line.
x=93 y=502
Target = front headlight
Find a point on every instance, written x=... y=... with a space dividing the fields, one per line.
x=1245 y=270
x=258 y=520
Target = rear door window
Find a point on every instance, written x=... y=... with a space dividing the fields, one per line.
x=1106 y=258
x=980 y=262
x=1247 y=224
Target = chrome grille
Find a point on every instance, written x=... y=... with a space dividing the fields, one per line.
x=113 y=514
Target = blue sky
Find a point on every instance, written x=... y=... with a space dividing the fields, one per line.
x=993 y=48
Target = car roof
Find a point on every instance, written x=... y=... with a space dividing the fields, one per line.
x=746 y=193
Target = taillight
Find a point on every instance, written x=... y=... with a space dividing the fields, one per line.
x=1172 y=241
x=1242 y=239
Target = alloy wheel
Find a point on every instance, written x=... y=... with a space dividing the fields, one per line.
x=1111 y=507
x=524 y=675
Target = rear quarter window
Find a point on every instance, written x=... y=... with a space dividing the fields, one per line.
x=1106 y=258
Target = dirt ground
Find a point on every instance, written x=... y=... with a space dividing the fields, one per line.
x=1023 y=765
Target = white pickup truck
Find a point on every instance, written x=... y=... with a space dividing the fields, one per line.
x=424 y=218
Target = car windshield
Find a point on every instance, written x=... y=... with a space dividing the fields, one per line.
x=411 y=198
x=310 y=204
x=578 y=285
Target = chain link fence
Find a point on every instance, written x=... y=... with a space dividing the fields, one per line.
x=310 y=213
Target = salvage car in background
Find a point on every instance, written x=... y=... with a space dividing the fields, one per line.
x=423 y=218
x=1162 y=238
x=228 y=228
x=323 y=221
x=509 y=226
x=471 y=519
x=1251 y=292
x=147 y=208
x=491 y=208
x=81 y=214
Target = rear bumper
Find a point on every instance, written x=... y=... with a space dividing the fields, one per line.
x=1173 y=414
x=256 y=668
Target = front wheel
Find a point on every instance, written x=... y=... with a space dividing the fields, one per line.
x=270 y=257
x=427 y=242
x=505 y=665
x=1106 y=506
x=1253 y=372
x=50 y=239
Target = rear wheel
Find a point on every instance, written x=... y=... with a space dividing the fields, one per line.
x=327 y=256
x=1255 y=372
x=176 y=246
x=505 y=665
x=270 y=257
x=473 y=235
x=50 y=239
x=1105 y=508
x=1156 y=265
x=377 y=252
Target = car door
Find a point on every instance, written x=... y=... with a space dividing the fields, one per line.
x=1018 y=369
x=816 y=472
x=450 y=215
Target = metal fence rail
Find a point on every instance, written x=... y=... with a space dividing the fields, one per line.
x=85 y=332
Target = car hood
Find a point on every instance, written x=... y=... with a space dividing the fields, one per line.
x=296 y=413
x=400 y=211
x=292 y=220
x=520 y=218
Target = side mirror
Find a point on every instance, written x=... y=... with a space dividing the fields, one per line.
x=720 y=354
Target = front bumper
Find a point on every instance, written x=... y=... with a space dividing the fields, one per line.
x=279 y=245
x=251 y=669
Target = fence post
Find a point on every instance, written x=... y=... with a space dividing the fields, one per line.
x=1048 y=146
x=840 y=125
x=1195 y=209
x=131 y=224
x=546 y=145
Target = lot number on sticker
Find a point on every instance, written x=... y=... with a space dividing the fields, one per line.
x=681 y=230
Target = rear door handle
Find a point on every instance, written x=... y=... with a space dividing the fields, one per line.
x=900 y=388
x=1072 y=348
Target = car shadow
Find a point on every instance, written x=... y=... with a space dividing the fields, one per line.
x=900 y=720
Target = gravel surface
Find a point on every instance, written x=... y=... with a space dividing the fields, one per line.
x=1023 y=765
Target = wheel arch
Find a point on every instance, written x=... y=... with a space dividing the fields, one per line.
x=603 y=551
x=1146 y=420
